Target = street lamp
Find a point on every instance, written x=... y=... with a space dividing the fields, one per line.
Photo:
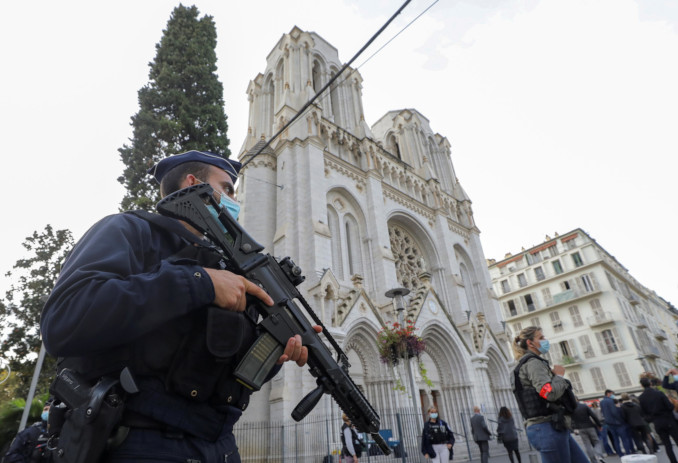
x=397 y=294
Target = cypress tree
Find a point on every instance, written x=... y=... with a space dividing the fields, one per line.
x=181 y=108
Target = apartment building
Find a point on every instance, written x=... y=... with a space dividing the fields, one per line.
x=605 y=327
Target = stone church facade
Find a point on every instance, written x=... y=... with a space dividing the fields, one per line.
x=363 y=210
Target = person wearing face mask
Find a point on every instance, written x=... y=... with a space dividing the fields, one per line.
x=672 y=375
x=545 y=398
x=29 y=446
x=614 y=419
x=148 y=293
x=437 y=438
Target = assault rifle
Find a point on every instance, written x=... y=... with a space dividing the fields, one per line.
x=281 y=321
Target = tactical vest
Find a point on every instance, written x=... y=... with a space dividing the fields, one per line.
x=530 y=403
x=437 y=432
x=184 y=369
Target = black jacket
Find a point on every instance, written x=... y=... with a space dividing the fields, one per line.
x=583 y=417
x=426 y=438
x=657 y=408
x=633 y=414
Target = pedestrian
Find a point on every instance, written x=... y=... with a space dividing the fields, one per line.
x=658 y=409
x=616 y=424
x=587 y=424
x=507 y=433
x=481 y=434
x=150 y=294
x=437 y=438
x=351 y=446
x=603 y=440
x=29 y=445
x=544 y=398
x=633 y=416
x=672 y=374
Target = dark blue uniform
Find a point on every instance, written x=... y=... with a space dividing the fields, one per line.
x=29 y=445
x=125 y=298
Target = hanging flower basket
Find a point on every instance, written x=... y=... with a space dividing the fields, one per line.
x=399 y=342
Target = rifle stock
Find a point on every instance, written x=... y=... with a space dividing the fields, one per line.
x=281 y=321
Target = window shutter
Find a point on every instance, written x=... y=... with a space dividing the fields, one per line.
x=601 y=343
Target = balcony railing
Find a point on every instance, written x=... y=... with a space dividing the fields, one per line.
x=648 y=350
x=642 y=322
x=660 y=334
x=600 y=319
x=567 y=360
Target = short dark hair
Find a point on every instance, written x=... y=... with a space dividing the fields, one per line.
x=171 y=182
x=655 y=381
x=645 y=382
x=608 y=391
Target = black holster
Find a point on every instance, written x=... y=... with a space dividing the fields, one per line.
x=91 y=415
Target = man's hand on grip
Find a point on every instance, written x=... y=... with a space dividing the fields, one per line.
x=231 y=290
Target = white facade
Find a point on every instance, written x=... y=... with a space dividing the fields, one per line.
x=605 y=328
x=363 y=210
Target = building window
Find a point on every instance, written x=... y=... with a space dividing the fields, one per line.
x=622 y=374
x=539 y=273
x=611 y=280
x=586 y=346
x=557 y=267
x=546 y=294
x=576 y=258
x=517 y=328
x=588 y=284
x=512 y=308
x=536 y=257
x=505 y=286
x=529 y=259
x=608 y=342
x=522 y=281
x=598 y=379
x=553 y=250
x=576 y=382
x=597 y=308
x=571 y=244
x=576 y=316
x=566 y=285
x=529 y=303
x=535 y=321
x=555 y=320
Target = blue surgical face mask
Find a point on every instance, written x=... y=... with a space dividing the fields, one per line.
x=433 y=415
x=675 y=377
x=231 y=206
x=45 y=415
x=544 y=346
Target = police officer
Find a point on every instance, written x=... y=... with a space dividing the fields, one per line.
x=437 y=438
x=536 y=386
x=139 y=291
x=29 y=446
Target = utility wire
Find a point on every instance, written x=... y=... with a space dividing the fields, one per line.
x=327 y=85
x=380 y=48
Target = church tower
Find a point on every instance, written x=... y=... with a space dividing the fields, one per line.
x=363 y=210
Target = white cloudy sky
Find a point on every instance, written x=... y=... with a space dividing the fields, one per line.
x=561 y=113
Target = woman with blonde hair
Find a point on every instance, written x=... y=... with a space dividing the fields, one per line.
x=545 y=399
x=437 y=438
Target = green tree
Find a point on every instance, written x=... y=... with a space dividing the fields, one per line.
x=34 y=278
x=181 y=108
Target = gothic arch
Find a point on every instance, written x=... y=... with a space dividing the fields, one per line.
x=448 y=354
x=469 y=277
x=268 y=104
x=348 y=227
x=414 y=250
x=500 y=383
x=377 y=380
x=279 y=82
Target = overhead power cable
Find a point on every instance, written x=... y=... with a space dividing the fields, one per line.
x=327 y=85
